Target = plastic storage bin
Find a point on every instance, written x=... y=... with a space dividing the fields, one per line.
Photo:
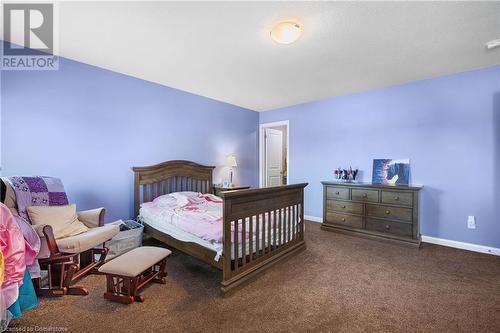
x=125 y=240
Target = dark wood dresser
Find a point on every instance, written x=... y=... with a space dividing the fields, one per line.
x=380 y=211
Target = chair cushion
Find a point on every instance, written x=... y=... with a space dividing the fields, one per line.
x=136 y=261
x=87 y=240
x=62 y=219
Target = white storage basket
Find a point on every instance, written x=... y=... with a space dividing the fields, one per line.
x=125 y=240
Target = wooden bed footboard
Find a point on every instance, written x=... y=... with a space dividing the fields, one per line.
x=272 y=220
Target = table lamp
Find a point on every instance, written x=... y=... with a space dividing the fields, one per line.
x=231 y=162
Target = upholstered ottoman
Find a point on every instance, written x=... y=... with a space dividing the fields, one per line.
x=128 y=273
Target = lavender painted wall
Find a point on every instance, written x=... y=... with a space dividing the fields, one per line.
x=449 y=127
x=89 y=126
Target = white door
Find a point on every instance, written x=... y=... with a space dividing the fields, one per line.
x=274 y=157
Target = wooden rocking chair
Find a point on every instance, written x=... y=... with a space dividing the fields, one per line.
x=68 y=259
x=72 y=257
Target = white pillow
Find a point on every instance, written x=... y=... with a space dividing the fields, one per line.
x=62 y=219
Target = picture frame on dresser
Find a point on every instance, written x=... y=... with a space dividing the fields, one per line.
x=385 y=212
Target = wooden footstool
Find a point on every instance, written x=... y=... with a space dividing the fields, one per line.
x=128 y=273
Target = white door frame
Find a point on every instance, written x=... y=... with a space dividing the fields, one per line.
x=262 y=128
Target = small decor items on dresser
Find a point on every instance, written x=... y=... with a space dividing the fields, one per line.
x=346 y=175
x=391 y=172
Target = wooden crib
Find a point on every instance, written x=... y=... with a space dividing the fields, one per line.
x=282 y=204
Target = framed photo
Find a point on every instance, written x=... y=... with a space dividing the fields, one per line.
x=391 y=172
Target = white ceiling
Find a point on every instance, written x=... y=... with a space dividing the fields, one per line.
x=222 y=50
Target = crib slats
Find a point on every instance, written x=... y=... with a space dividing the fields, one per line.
x=269 y=242
x=250 y=238
x=289 y=223
x=301 y=214
x=294 y=234
x=278 y=221
x=243 y=241
x=235 y=242
x=274 y=229
x=296 y=209
x=285 y=222
x=281 y=227
x=151 y=192
x=257 y=235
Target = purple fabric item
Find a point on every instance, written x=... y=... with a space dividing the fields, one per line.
x=35 y=184
x=57 y=199
x=37 y=191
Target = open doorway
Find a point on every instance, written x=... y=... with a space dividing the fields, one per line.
x=273 y=152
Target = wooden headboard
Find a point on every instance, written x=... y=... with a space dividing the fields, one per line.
x=172 y=176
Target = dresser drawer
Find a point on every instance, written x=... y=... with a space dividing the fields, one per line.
x=345 y=220
x=391 y=227
x=334 y=192
x=397 y=198
x=386 y=212
x=345 y=206
x=365 y=195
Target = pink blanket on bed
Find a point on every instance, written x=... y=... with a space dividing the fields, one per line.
x=196 y=213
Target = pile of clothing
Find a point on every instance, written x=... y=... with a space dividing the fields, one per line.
x=17 y=292
x=20 y=243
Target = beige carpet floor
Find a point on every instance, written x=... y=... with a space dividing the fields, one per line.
x=339 y=284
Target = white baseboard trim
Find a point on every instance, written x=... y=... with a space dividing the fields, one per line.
x=439 y=241
x=461 y=245
x=313 y=218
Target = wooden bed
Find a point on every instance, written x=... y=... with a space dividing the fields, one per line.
x=284 y=204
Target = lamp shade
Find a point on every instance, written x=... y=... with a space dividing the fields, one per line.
x=231 y=160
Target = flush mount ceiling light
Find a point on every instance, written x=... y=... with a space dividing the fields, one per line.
x=286 y=32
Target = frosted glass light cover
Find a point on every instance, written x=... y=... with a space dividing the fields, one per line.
x=286 y=32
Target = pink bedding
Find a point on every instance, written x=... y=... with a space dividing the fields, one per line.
x=196 y=213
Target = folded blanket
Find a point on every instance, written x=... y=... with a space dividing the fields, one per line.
x=37 y=191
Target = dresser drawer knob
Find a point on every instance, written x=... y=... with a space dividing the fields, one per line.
x=337 y=193
x=387 y=212
x=396 y=198
x=364 y=195
x=343 y=206
x=343 y=219
x=387 y=227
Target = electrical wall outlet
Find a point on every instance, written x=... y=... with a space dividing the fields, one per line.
x=471 y=222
